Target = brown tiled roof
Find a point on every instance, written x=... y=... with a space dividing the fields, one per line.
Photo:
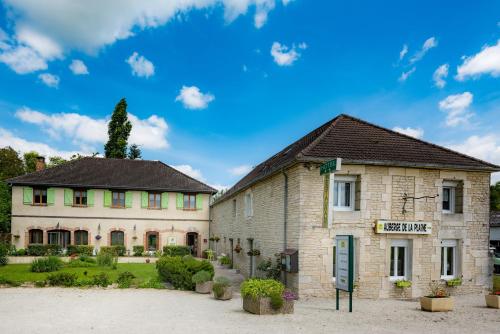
x=495 y=218
x=116 y=174
x=357 y=141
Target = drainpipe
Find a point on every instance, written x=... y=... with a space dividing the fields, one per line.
x=285 y=218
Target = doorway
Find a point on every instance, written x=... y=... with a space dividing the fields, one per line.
x=152 y=241
x=59 y=237
x=192 y=243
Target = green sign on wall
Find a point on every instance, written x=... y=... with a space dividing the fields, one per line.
x=330 y=166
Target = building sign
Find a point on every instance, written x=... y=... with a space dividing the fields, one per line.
x=344 y=263
x=330 y=166
x=172 y=241
x=399 y=227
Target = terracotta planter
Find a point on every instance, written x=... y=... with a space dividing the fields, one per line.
x=204 y=287
x=436 y=304
x=228 y=294
x=492 y=301
x=263 y=306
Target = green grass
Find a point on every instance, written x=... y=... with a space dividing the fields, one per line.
x=496 y=282
x=21 y=273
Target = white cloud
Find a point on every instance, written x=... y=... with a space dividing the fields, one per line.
x=263 y=7
x=43 y=45
x=140 y=66
x=439 y=75
x=456 y=106
x=240 y=170
x=22 y=59
x=412 y=132
x=78 y=67
x=405 y=75
x=285 y=56
x=192 y=98
x=83 y=131
x=190 y=171
x=403 y=52
x=50 y=80
x=487 y=61
x=428 y=44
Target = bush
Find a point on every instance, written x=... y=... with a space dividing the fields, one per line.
x=225 y=260
x=276 y=301
x=3 y=254
x=40 y=284
x=179 y=271
x=107 y=258
x=101 y=279
x=219 y=284
x=152 y=283
x=256 y=288
x=176 y=250
x=138 y=250
x=201 y=277
x=53 y=249
x=80 y=250
x=62 y=279
x=37 y=250
x=6 y=281
x=21 y=252
x=125 y=279
x=46 y=264
x=82 y=262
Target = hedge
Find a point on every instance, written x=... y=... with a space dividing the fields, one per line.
x=42 y=250
x=117 y=250
x=138 y=250
x=176 y=250
x=80 y=250
x=179 y=271
x=3 y=254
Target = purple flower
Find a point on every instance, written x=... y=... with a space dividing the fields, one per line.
x=98 y=237
x=289 y=295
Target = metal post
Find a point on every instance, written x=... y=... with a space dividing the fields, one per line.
x=337 y=298
x=350 y=301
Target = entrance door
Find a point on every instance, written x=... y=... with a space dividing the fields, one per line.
x=192 y=242
x=59 y=237
x=152 y=241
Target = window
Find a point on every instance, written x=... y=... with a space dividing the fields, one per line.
x=448 y=199
x=39 y=196
x=80 y=197
x=117 y=238
x=343 y=193
x=453 y=196
x=59 y=237
x=448 y=259
x=189 y=202
x=154 y=201
x=81 y=237
x=248 y=204
x=399 y=260
x=118 y=199
x=36 y=236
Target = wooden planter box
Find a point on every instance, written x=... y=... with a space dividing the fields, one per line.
x=263 y=306
x=492 y=301
x=436 y=304
x=228 y=294
x=204 y=287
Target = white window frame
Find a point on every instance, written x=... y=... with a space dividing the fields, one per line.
x=400 y=243
x=452 y=187
x=248 y=204
x=337 y=179
x=445 y=244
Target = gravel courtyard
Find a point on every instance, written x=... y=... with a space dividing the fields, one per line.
x=57 y=310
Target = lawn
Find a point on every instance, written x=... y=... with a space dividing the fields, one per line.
x=21 y=272
x=496 y=282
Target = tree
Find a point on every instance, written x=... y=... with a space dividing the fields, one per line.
x=56 y=161
x=134 y=152
x=30 y=161
x=11 y=164
x=495 y=196
x=118 y=132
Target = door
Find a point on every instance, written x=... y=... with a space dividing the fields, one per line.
x=192 y=243
x=152 y=241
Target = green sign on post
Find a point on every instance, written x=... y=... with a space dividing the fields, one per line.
x=330 y=166
x=344 y=266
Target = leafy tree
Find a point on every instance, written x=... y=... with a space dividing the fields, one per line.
x=30 y=161
x=118 y=132
x=5 y=206
x=134 y=152
x=11 y=164
x=495 y=196
x=56 y=161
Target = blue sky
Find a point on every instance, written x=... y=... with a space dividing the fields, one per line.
x=216 y=86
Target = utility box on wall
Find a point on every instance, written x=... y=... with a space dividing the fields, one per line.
x=290 y=260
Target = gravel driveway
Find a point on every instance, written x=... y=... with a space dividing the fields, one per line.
x=57 y=310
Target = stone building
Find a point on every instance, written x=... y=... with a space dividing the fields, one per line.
x=103 y=202
x=386 y=178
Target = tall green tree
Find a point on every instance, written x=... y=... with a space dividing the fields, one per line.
x=118 y=132
x=56 y=161
x=134 y=152
x=30 y=161
x=11 y=165
x=495 y=197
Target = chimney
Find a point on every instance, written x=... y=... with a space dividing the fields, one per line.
x=40 y=163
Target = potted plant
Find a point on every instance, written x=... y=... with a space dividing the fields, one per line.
x=98 y=237
x=203 y=281
x=222 y=288
x=253 y=252
x=454 y=282
x=493 y=299
x=237 y=248
x=216 y=239
x=265 y=296
x=438 y=301
x=402 y=284
x=225 y=261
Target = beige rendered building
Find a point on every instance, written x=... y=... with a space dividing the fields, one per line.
x=102 y=202
x=417 y=211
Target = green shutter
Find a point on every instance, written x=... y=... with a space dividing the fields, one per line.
x=107 y=198
x=68 y=197
x=128 y=199
x=90 y=197
x=164 y=200
x=51 y=194
x=199 y=201
x=144 y=199
x=179 y=203
x=28 y=195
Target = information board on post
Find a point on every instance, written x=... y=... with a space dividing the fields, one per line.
x=344 y=266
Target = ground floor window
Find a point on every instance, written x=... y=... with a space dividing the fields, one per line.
x=400 y=260
x=117 y=238
x=448 y=259
x=36 y=236
x=59 y=237
x=152 y=241
x=81 y=237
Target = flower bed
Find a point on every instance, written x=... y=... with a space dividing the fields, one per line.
x=266 y=296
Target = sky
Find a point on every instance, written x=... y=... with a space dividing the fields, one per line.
x=215 y=87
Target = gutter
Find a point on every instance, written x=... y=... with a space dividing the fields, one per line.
x=285 y=218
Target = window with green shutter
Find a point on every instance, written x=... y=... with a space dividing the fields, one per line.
x=51 y=196
x=164 y=200
x=128 y=199
x=28 y=195
x=179 y=201
x=107 y=198
x=90 y=197
x=199 y=201
x=144 y=199
x=68 y=197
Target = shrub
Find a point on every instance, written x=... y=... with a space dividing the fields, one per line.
x=270 y=269
x=125 y=279
x=21 y=252
x=81 y=263
x=138 y=250
x=106 y=258
x=225 y=260
x=176 y=250
x=256 y=288
x=54 y=249
x=201 y=277
x=152 y=283
x=6 y=281
x=3 y=254
x=276 y=301
x=37 y=250
x=179 y=271
x=101 y=279
x=80 y=250
x=220 y=283
x=46 y=264
x=40 y=284
x=62 y=279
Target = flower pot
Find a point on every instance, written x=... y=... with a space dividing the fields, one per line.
x=492 y=301
x=262 y=305
x=205 y=287
x=226 y=295
x=442 y=304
